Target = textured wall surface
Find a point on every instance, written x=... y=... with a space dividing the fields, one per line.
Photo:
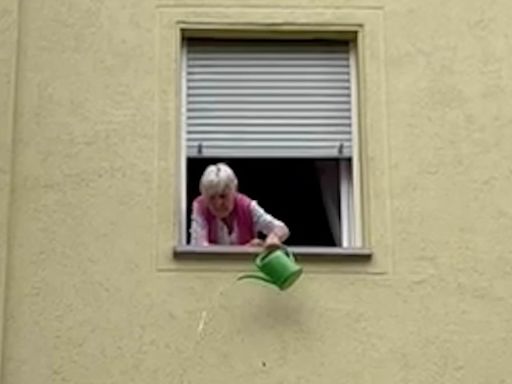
x=8 y=57
x=85 y=302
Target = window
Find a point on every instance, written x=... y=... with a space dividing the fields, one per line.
x=282 y=113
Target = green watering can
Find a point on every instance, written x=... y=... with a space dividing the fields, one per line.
x=278 y=267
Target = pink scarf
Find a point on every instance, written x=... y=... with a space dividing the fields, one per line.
x=241 y=214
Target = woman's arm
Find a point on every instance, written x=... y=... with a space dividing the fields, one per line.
x=198 y=228
x=276 y=230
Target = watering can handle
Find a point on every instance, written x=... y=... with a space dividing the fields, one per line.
x=288 y=253
x=256 y=276
x=262 y=255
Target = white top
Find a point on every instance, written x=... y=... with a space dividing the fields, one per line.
x=262 y=221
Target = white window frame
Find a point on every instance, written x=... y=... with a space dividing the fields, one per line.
x=349 y=191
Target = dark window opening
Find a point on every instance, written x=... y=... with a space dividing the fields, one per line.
x=288 y=189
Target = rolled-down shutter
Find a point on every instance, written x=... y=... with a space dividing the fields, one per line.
x=272 y=98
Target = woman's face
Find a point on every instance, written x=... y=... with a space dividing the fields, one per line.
x=221 y=204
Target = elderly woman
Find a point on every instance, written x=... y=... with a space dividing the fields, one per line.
x=221 y=215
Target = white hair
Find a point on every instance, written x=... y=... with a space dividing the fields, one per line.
x=217 y=178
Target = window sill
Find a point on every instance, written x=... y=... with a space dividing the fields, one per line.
x=305 y=254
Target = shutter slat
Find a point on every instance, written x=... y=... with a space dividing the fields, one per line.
x=264 y=116
x=277 y=68
x=233 y=107
x=268 y=99
x=265 y=121
x=198 y=134
x=270 y=92
x=313 y=100
x=256 y=77
x=270 y=85
x=297 y=138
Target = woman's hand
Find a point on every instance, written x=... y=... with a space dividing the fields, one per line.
x=272 y=242
x=255 y=243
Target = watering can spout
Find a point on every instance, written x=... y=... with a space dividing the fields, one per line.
x=257 y=277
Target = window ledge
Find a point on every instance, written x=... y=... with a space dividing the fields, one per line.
x=314 y=254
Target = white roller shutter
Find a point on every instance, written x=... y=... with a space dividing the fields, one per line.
x=272 y=98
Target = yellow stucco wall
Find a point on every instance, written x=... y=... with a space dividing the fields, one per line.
x=88 y=298
x=8 y=58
